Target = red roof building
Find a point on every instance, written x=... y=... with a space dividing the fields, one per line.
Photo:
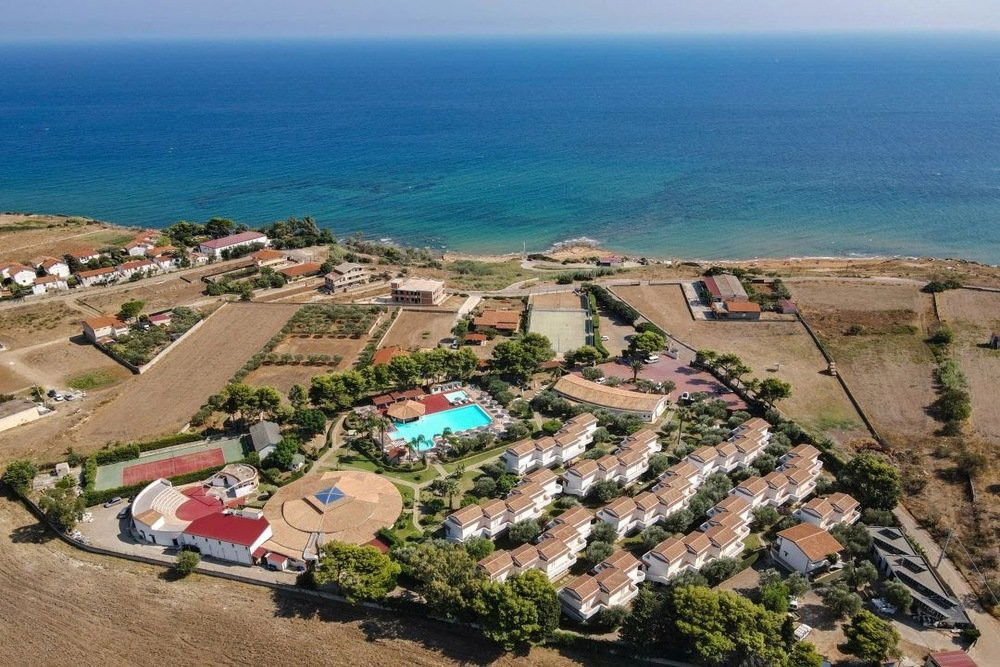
x=229 y=528
x=950 y=659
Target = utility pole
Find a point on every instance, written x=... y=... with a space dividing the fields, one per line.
x=944 y=548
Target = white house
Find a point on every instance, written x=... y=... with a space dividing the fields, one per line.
x=232 y=536
x=579 y=518
x=215 y=247
x=54 y=267
x=753 y=490
x=828 y=512
x=18 y=273
x=578 y=480
x=104 y=327
x=345 y=275
x=19 y=411
x=802 y=457
x=805 y=547
x=138 y=248
x=498 y=565
x=128 y=269
x=527 y=500
x=566 y=445
x=100 y=276
x=666 y=560
x=620 y=514
x=49 y=284
x=587 y=595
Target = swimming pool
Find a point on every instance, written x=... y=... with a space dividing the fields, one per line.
x=454 y=397
x=432 y=425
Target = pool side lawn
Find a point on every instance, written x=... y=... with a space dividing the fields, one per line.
x=358 y=462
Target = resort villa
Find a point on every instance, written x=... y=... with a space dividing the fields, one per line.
x=215 y=247
x=506 y=321
x=614 y=582
x=624 y=466
x=417 y=292
x=566 y=445
x=830 y=511
x=805 y=548
x=648 y=407
x=527 y=500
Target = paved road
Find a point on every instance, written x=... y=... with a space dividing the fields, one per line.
x=987 y=650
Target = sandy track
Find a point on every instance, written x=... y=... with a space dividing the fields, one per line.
x=164 y=398
x=64 y=607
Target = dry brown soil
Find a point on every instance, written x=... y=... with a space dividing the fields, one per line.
x=557 y=301
x=36 y=323
x=62 y=606
x=163 y=398
x=417 y=329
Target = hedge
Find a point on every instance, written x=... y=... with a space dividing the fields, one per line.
x=596 y=318
x=169 y=441
x=613 y=304
x=117 y=454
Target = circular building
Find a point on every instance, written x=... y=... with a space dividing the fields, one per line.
x=342 y=505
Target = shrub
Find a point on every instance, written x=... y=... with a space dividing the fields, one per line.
x=186 y=562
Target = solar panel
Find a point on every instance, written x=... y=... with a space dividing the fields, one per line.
x=329 y=495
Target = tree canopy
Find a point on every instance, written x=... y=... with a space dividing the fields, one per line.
x=358 y=572
x=871 y=638
x=873 y=481
x=522 y=611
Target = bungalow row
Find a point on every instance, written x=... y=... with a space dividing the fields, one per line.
x=624 y=466
x=627 y=515
x=554 y=553
x=830 y=511
x=126 y=270
x=614 y=582
x=567 y=444
x=528 y=500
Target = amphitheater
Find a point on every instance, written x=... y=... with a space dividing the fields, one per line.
x=343 y=505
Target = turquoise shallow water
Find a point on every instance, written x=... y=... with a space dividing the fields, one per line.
x=432 y=425
x=704 y=147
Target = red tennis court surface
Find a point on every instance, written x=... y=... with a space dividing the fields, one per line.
x=144 y=472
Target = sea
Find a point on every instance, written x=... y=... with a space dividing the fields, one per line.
x=688 y=146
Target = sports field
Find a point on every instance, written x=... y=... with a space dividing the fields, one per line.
x=565 y=329
x=169 y=462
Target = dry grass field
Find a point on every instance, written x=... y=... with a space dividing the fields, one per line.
x=418 y=329
x=159 y=293
x=162 y=399
x=36 y=323
x=65 y=607
x=817 y=399
x=876 y=335
x=55 y=364
x=23 y=237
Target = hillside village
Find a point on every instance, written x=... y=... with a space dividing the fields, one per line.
x=696 y=462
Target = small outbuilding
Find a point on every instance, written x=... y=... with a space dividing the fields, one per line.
x=265 y=436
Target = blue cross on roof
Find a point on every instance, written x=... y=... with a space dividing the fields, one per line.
x=329 y=495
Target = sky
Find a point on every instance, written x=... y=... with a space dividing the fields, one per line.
x=236 y=19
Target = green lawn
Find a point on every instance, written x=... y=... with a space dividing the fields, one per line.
x=92 y=380
x=406 y=492
x=359 y=462
x=476 y=458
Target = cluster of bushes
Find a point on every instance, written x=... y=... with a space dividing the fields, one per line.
x=365 y=357
x=941 y=285
x=613 y=304
x=142 y=344
x=595 y=318
x=393 y=254
x=273 y=359
x=317 y=318
x=954 y=404
x=569 y=277
x=297 y=233
x=769 y=300
x=241 y=251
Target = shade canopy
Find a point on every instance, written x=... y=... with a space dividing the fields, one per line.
x=406 y=410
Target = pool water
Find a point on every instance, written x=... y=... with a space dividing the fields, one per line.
x=455 y=396
x=432 y=425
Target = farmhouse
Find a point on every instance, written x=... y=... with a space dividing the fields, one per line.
x=49 y=284
x=507 y=321
x=53 y=267
x=344 y=275
x=724 y=287
x=267 y=257
x=100 y=276
x=805 y=548
x=105 y=327
x=933 y=603
x=18 y=411
x=417 y=292
x=18 y=273
x=648 y=407
x=299 y=271
x=732 y=309
x=215 y=247
x=265 y=436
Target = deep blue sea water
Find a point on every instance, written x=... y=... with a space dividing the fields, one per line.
x=694 y=147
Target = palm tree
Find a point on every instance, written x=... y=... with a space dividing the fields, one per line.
x=450 y=485
x=636 y=364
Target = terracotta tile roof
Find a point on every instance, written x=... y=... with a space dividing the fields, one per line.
x=620 y=507
x=96 y=323
x=631 y=457
x=525 y=555
x=564 y=532
x=552 y=548
x=704 y=454
x=304 y=269
x=467 y=515
x=776 y=480
x=843 y=502
x=621 y=560
x=542 y=476
x=228 y=528
x=583 y=468
x=800 y=476
x=696 y=542
x=821 y=507
x=732 y=505
x=545 y=444
x=583 y=587
x=522 y=447
x=609 y=462
x=585 y=391
x=753 y=486
x=670 y=549
x=742 y=306
x=670 y=497
x=803 y=451
x=267 y=254
x=641 y=438
x=518 y=503
x=611 y=580
x=503 y=320
x=721 y=536
x=575 y=517
x=646 y=501
x=812 y=540
x=494 y=508
x=90 y=273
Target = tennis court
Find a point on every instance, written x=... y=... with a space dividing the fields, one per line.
x=169 y=462
x=565 y=329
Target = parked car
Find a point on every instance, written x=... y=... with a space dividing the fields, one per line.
x=652 y=359
x=883 y=608
x=793 y=603
x=114 y=501
x=52 y=393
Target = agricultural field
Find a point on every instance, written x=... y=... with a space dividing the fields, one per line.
x=772 y=349
x=323 y=338
x=37 y=323
x=85 y=609
x=418 y=329
x=162 y=399
x=158 y=293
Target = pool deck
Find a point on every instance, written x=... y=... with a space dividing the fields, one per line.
x=430 y=437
